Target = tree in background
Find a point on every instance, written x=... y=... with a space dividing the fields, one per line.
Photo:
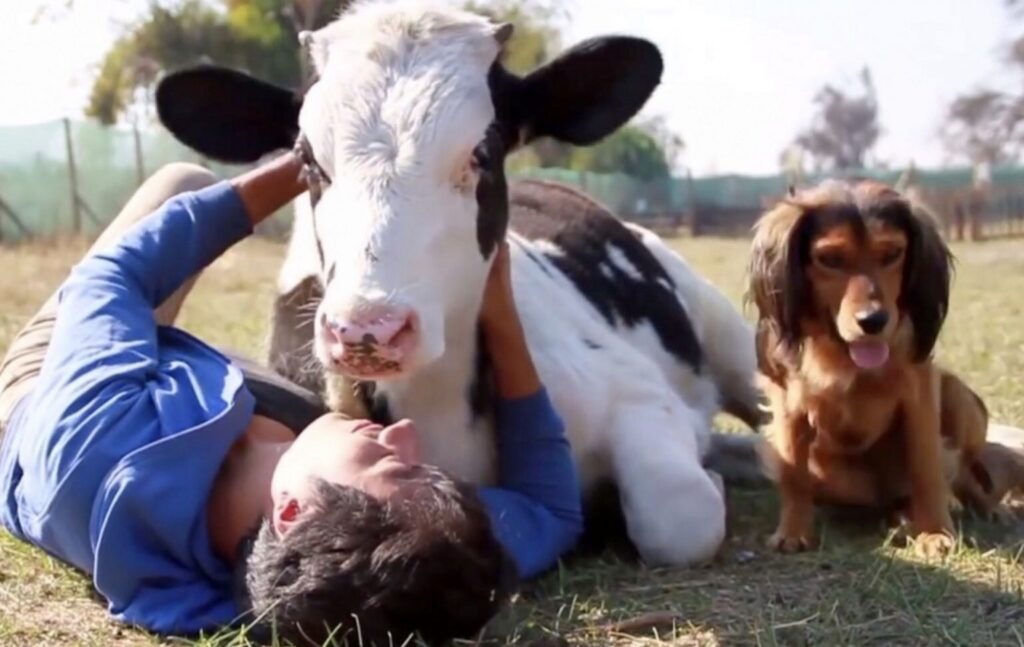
x=259 y=36
x=536 y=37
x=979 y=127
x=630 y=150
x=647 y=149
x=984 y=126
x=668 y=140
x=845 y=128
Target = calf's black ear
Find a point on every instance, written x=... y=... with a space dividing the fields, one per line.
x=227 y=115
x=583 y=95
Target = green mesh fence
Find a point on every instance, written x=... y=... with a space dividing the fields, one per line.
x=36 y=186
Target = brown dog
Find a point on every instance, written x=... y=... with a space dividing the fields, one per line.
x=852 y=286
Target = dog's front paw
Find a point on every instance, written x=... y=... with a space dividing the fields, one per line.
x=785 y=542
x=934 y=545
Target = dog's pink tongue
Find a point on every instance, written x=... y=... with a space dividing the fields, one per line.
x=869 y=354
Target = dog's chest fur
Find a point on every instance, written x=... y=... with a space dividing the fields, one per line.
x=848 y=410
x=853 y=421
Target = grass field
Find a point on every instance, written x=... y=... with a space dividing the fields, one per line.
x=854 y=590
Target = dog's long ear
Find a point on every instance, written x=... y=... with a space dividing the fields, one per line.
x=926 y=281
x=778 y=284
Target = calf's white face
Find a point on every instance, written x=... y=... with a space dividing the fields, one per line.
x=408 y=123
x=393 y=122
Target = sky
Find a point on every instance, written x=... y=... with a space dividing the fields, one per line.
x=740 y=75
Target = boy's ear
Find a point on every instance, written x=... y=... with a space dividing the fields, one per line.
x=227 y=115
x=286 y=514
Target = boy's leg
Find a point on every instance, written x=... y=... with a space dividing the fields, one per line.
x=25 y=355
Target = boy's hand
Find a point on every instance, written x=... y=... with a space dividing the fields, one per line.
x=270 y=186
x=514 y=373
x=499 y=306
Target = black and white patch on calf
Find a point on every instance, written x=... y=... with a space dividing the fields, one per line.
x=488 y=161
x=606 y=262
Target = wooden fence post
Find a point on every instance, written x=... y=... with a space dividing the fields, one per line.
x=140 y=170
x=693 y=212
x=76 y=214
x=6 y=209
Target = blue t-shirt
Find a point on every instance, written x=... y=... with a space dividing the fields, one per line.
x=108 y=464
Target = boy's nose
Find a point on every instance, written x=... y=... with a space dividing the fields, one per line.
x=401 y=438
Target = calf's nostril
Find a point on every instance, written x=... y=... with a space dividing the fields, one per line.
x=370 y=328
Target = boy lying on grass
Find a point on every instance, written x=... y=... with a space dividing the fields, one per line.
x=200 y=492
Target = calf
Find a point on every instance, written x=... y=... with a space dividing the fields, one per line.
x=405 y=133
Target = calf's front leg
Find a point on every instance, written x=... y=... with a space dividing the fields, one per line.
x=674 y=509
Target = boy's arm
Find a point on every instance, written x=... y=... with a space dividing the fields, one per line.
x=105 y=313
x=536 y=507
x=267 y=188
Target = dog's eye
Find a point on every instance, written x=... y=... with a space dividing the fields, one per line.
x=891 y=257
x=830 y=260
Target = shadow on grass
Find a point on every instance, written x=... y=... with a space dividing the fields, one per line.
x=854 y=589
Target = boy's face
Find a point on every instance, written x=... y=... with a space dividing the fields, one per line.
x=354 y=453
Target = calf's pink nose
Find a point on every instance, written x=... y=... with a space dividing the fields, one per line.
x=379 y=326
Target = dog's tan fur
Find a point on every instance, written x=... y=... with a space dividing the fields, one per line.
x=903 y=436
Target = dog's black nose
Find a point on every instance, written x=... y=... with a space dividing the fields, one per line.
x=872 y=321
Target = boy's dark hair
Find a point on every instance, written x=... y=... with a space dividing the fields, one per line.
x=363 y=569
